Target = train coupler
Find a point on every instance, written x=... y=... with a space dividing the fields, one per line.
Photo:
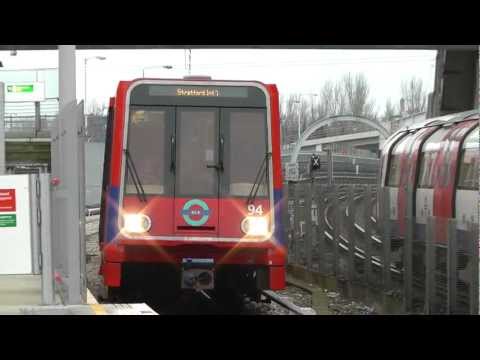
x=197 y=274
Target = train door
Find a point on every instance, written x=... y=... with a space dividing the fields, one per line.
x=197 y=169
x=427 y=174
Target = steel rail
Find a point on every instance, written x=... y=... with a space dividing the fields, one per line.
x=297 y=310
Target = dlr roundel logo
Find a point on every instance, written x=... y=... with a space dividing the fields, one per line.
x=195 y=212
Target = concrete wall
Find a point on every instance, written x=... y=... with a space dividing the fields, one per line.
x=456 y=81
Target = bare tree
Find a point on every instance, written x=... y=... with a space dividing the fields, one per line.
x=332 y=100
x=414 y=96
x=390 y=111
x=356 y=92
x=350 y=95
x=293 y=111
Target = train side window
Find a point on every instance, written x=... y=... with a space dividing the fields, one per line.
x=425 y=178
x=468 y=177
x=394 y=171
x=402 y=148
x=427 y=173
x=468 y=172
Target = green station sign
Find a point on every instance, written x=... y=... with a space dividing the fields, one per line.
x=8 y=220
x=20 y=88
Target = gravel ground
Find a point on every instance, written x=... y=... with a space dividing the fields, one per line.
x=339 y=305
x=94 y=280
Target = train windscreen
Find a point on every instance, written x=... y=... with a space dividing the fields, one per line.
x=197 y=141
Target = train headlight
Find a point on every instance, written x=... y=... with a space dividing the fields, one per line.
x=255 y=226
x=136 y=223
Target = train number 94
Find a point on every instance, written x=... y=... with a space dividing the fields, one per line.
x=255 y=210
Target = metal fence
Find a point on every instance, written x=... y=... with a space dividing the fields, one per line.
x=334 y=231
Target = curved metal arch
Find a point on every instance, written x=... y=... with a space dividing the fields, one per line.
x=327 y=121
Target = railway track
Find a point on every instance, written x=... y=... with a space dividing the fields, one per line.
x=287 y=304
x=208 y=303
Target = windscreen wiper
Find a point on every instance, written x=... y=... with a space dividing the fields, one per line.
x=262 y=171
x=136 y=179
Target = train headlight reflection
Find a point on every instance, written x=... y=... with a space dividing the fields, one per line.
x=255 y=226
x=136 y=223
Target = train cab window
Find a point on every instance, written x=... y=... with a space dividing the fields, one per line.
x=400 y=149
x=468 y=175
x=245 y=132
x=147 y=135
x=430 y=149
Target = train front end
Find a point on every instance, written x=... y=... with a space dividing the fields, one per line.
x=192 y=187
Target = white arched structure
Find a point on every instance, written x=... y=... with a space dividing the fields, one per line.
x=336 y=118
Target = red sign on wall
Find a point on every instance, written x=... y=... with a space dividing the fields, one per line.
x=7 y=200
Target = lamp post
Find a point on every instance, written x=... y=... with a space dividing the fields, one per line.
x=168 y=67
x=85 y=98
x=298 y=122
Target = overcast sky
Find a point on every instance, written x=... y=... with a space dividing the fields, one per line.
x=294 y=71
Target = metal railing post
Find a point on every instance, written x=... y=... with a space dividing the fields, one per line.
x=474 y=251
x=38 y=124
x=452 y=263
x=48 y=283
x=386 y=241
x=320 y=196
x=308 y=224
x=336 y=227
x=368 y=235
x=429 y=264
x=330 y=167
x=351 y=234
x=296 y=226
x=408 y=253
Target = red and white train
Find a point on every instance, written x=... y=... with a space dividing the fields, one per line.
x=192 y=190
x=439 y=160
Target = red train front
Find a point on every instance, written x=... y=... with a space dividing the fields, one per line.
x=192 y=190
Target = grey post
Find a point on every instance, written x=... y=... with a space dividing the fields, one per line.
x=296 y=226
x=408 y=252
x=68 y=196
x=429 y=264
x=474 y=256
x=308 y=224
x=452 y=267
x=386 y=239
x=38 y=122
x=351 y=233
x=48 y=284
x=285 y=214
x=35 y=215
x=330 y=167
x=368 y=234
x=320 y=198
x=2 y=129
x=336 y=226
